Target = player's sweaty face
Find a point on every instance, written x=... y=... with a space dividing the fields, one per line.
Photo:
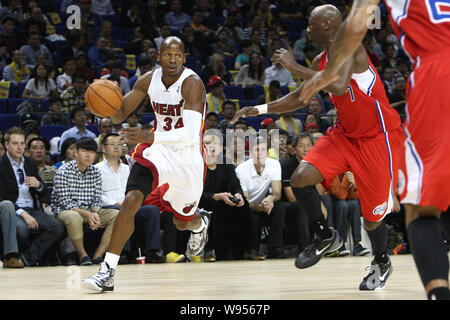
x=172 y=60
x=313 y=29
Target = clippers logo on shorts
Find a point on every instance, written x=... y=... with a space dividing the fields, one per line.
x=188 y=207
x=380 y=209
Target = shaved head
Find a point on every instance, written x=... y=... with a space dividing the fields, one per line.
x=172 y=43
x=323 y=23
x=329 y=13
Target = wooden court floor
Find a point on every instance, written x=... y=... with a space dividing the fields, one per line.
x=331 y=278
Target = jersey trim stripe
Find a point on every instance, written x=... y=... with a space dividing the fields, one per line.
x=404 y=14
x=402 y=41
x=369 y=90
x=414 y=164
x=350 y=90
x=390 y=204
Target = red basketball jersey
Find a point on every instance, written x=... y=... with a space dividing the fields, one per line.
x=364 y=110
x=423 y=26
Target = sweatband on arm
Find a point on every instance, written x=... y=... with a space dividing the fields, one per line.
x=262 y=108
x=189 y=133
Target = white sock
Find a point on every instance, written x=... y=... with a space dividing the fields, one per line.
x=202 y=226
x=112 y=260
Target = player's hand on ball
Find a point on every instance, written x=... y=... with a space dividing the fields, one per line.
x=136 y=135
x=244 y=113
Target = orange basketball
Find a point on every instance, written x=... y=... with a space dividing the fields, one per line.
x=103 y=97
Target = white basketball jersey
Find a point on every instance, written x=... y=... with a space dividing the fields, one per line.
x=168 y=103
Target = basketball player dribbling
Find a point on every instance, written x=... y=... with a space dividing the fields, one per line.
x=365 y=140
x=170 y=167
x=423 y=28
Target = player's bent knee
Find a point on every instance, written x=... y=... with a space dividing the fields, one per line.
x=413 y=212
x=134 y=197
x=371 y=225
x=298 y=180
x=180 y=224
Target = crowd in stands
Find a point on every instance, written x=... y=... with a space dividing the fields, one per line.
x=63 y=170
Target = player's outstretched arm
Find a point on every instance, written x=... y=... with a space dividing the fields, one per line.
x=346 y=41
x=289 y=102
x=133 y=98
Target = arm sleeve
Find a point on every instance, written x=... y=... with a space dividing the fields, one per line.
x=189 y=133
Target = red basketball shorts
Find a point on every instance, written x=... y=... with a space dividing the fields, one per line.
x=373 y=161
x=425 y=167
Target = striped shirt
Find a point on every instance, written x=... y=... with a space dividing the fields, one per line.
x=114 y=182
x=74 y=189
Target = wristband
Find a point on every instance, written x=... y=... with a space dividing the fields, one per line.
x=262 y=108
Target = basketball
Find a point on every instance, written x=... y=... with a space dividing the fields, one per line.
x=103 y=97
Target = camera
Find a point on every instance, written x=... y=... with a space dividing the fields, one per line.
x=235 y=200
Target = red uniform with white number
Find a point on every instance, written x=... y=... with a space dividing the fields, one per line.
x=178 y=169
x=423 y=28
x=366 y=140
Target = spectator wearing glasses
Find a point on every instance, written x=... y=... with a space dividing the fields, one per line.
x=21 y=184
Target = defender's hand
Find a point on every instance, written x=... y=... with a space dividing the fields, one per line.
x=244 y=113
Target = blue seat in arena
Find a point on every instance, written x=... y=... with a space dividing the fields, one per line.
x=254 y=122
x=233 y=92
x=258 y=91
x=51 y=131
x=284 y=90
x=147 y=118
x=59 y=44
x=3 y=106
x=14 y=103
x=114 y=19
x=20 y=88
x=44 y=105
x=121 y=43
x=9 y=120
x=192 y=63
x=93 y=128
x=229 y=63
x=118 y=34
x=246 y=103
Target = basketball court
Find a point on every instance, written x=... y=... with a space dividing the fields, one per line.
x=330 y=279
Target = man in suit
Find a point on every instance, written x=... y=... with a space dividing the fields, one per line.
x=21 y=184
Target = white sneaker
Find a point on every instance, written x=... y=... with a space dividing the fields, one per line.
x=197 y=241
x=102 y=281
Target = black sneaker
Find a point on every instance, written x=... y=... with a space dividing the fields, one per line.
x=359 y=250
x=102 y=281
x=86 y=261
x=314 y=252
x=97 y=260
x=378 y=274
x=27 y=261
x=155 y=257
